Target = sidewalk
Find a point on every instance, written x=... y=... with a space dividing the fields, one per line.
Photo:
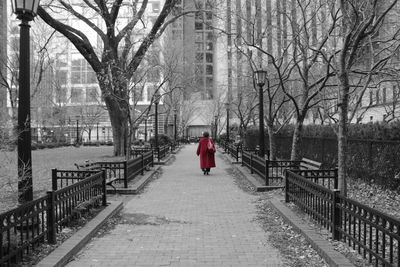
x=185 y=219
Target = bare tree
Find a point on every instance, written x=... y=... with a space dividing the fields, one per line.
x=121 y=51
x=361 y=20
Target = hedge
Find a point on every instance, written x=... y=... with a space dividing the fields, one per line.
x=373 y=150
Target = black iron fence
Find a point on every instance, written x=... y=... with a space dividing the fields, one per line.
x=120 y=171
x=24 y=228
x=137 y=166
x=373 y=234
x=259 y=166
x=234 y=150
x=162 y=151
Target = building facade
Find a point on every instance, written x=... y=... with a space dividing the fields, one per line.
x=3 y=59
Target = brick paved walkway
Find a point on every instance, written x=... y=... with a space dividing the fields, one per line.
x=185 y=219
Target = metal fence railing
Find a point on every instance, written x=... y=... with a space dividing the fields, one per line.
x=373 y=234
x=24 y=228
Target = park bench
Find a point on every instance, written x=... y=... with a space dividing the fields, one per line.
x=306 y=168
x=276 y=168
x=111 y=176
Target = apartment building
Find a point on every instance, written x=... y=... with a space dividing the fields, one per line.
x=3 y=58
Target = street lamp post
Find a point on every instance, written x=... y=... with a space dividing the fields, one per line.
x=145 y=129
x=227 y=122
x=156 y=102
x=77 y=130
x=261 y=77
x=26 y=11
x=216 y=126
x=175 y=115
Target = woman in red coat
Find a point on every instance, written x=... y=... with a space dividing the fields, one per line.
x=207 y=159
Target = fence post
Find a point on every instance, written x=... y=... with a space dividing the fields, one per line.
x=51 y=218
x=142 y=172
x=251 y=163
x=125 y=174
x=266 y=172
x=104 y=189
x=336 y=181
x=287 y=199
x=54 y=179
x=336 y=215
x=152 y=158
x=237 y=153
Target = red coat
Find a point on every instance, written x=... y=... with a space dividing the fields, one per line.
x=207 y=159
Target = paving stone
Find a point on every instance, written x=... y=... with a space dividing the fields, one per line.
x=185 y=219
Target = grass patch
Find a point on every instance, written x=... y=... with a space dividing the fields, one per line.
x=42 y=162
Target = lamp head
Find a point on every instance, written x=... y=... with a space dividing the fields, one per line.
x=261 y=77
x=25 y=9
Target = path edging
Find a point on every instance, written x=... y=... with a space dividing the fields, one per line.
x=319 y=243
x=63 y=253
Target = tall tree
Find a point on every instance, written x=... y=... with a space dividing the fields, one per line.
x=361 y=20
x=120 y=53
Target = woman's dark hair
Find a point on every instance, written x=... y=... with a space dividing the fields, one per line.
x=206 y=134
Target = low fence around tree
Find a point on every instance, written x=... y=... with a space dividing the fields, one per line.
x=160 y=152
x=24 y=228
x=374 y=235
x=120 y=171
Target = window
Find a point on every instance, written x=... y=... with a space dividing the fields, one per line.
x=209 y=70
x=91 y=77
x=61 y=60
x=199 y=36
x=61 y=95
x=371 y=97
x=209 y=94
x=199 y=15
x=209 y=36
x=199 y=46
x=198 y=26
x=208 y=5
x=76 y=95
x=209 y=46
x=199 y=57
x=91 y=95
x=61 y=77
x=377 y=96
x=209 y=26
x=209 y=57
x=156 y=7
x=384 y=95
x=76 y=77
x=199 y=70
x=209 y=82
x=209 y=15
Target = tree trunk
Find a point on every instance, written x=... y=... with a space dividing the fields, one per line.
x=296 y=142
x=119 y=124
x=272 y=141
x=343 y=132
